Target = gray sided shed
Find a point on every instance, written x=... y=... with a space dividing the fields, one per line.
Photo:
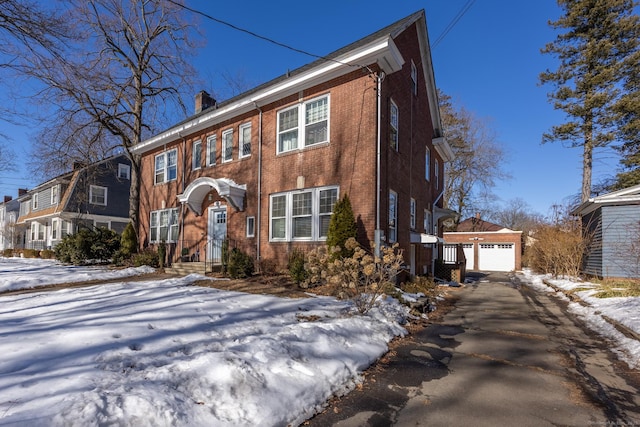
x=612 y=224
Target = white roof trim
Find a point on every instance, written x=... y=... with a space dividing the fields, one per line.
x=382 y=51
x=626 y=196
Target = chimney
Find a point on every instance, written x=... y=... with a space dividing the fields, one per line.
x=22 y=191
x=204 y=101
x=7 y=199
x=477 y=215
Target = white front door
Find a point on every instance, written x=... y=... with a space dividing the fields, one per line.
x=217 y=233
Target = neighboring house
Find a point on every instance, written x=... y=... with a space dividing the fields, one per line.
x=10 y=235
x=611 y=225
x=96 y=195
x=487 y=246
x=264 y=169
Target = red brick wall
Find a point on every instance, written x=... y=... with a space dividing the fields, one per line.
x=348 y=160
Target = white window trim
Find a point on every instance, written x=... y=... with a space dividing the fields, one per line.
x=251 y=226
x=213 y=139
x=195 y=148
x=301 y=143
x=126 y=169
x=95 y=224
x=394 y=126
x=315 y=214
x=166 y=167
x=55 y=194
x=225 y=149
x=55 y=229
x=34 y=201
x=393 y=219
x=170 y=226
x=242 y=142
x=91 y=193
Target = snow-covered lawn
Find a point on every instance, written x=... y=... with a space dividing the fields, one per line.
x=593 y=311
x=21 y=273
x=166 y=353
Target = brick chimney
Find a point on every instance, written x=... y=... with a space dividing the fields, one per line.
x=7 y=199
x=22 y=191
x=204 y=101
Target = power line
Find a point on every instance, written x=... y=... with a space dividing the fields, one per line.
x=453 y=22
x=267 y=39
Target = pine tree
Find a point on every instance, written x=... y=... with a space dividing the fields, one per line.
x=591 y=81
x=341 y=227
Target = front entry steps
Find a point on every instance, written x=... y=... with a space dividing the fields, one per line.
x=185 y=268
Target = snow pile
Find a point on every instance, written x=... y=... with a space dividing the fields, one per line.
x=168 y=353
x=595 y=312
x=22 y=273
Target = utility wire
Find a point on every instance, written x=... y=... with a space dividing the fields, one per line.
x=453 y=22
x=267 y=39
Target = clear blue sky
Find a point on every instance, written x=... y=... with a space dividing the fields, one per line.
x=488 y=61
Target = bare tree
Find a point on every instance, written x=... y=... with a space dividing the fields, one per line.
x=478 y=158
x=119 y=81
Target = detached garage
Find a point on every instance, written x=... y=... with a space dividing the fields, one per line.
x=487 y=246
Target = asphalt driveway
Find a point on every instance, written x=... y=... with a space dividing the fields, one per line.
x=503 y=355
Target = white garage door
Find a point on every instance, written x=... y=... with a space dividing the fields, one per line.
x=468 y=254
x=497 y=256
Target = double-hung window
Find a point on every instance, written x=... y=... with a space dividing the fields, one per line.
x=303 y=125
x=163 y=226
x=393 y=216
x=196 y=155
x=211 y=150
x=227 y=145
x=98 y=195
x=166 y=166
x=412 y=213
x=54 y=229
x=54 y=194
x=427 y=165
x=245 y=140
x=393 y=125
x=124 y=171
x=302 y=214
x=34 y=201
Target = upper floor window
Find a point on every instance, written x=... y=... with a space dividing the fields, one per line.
x=302 y=214
x=166 y=166
x=97 y=195
x=414 y=78
x=163 y=226
x=211 y=150
x=54 y=194
x=393 y=216
x=34 y=201
x=245 y=140
x=393 y=125
x=196 y=155
x=227 y=145
x=427 y=165
x=412 y=213
x=303 y=125
x=124 y=171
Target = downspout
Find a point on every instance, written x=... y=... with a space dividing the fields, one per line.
x=184 y=166
x=378 y=233
x=259 y=210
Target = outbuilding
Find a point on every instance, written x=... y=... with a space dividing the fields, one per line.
x=487 y=246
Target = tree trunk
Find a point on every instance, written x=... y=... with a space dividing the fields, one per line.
x=587 y=160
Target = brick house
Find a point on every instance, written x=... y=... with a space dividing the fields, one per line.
x=487 y=246
x=95 y=195
x=264 y=168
